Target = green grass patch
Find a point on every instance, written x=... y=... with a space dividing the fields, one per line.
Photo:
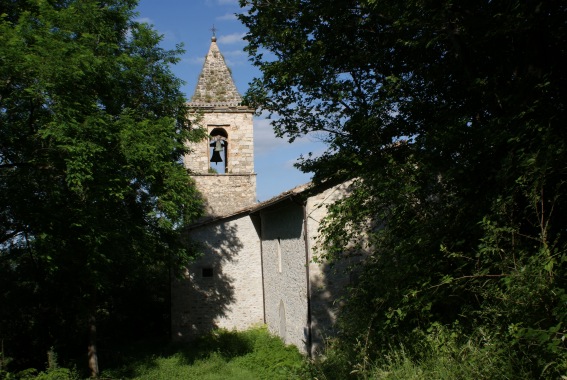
x=223 y=354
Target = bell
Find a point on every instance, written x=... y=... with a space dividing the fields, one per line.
x=216 y=157
x=218 y=145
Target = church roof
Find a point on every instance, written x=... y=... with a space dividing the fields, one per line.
x=286 y=195
x=215 y=86
x=297 y=194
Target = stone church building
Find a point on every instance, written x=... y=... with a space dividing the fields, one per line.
x=257 y=265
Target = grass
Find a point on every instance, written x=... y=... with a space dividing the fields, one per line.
x=255 y=354
x=252 y=354
x=438 y=354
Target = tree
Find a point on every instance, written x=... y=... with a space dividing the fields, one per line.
x=450 y=118
x=92 y=188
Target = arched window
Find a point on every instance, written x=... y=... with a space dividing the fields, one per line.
x=218 y=143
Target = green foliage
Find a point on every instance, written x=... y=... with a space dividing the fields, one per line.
x=252 y=354
x=439 y=353
x=34 y=374
x=443 y=356
x=53 y=371
x=92 y=189
x=222 y=354
x=450 y=120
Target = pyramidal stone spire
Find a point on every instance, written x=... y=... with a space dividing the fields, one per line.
x=215 y=86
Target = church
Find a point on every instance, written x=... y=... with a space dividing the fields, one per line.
x=257 y=264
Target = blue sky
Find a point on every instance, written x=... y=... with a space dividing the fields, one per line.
x=190 y=22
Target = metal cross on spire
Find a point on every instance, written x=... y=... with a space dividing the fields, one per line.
x=214 y=30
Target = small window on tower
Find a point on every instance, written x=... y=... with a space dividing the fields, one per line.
x=207 y=272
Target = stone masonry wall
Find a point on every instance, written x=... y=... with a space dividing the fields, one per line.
x=226 y=193
x=327 y=284
x=224 y=287
x=285 y=282
x=235 y=190
x=238 y=124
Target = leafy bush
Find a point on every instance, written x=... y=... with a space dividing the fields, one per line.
x=53 y=371
x=443 y=354
x=436 y=353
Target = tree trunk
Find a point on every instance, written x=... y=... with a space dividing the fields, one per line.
x=93 y=357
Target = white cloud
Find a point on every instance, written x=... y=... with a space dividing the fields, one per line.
x=266 y=141
x=233 y=63
x=144 y=20
x=194 y=60
x=227 y=17
x=235 y=57
x=275 y=159
x=264 y=137
x=267 y=144
x=170 y=36
x=234 y=53
x=231 y=38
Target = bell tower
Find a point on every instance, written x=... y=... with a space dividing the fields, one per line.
x=223 y=163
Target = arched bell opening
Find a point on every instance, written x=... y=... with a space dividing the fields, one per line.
x=218 y=151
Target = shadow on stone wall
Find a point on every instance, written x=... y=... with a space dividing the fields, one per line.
x=206 y=291
x=328 y=290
